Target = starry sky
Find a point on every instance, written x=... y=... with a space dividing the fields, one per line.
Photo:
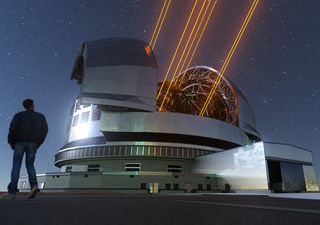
x=277 y=64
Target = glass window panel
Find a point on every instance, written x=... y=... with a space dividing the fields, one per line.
x=96 y=114
x=85 y=117
x=75 y=120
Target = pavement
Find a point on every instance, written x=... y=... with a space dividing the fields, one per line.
x=131 y=209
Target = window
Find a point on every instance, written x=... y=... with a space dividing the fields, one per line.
x=175 y=168
x=68 y=168
x=69 y=123
x=86 y=105
x=133 y=166
x=75 y=120
x=208 y=187
x=176 y=186
x=200 y=187
x=96 y=114
x=85 y=117
x=168 y=186
x=93 y=168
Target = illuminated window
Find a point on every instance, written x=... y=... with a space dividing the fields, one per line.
x=85 y=117
x=174 y=168
x=75 y=120
x=132 y=166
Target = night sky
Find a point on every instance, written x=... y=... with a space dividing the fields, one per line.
x=277 y=64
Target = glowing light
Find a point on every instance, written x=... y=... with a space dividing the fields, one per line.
x=82 y=131
x=159 y=24
x=189 y=47
x=183 y=55
x=176 y=51
x=195 y=36
x=148 y=50
x=229 y=56
x=199 y=39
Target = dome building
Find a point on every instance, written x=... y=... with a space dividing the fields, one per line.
x=118 y=140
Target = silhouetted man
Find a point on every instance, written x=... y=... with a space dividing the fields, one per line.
x=28 y=130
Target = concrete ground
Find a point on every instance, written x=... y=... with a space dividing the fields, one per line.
x=140 y=209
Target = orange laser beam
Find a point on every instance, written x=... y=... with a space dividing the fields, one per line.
x=230 y=54
x=194 y=37
x=183 y=55
x=200 y=37
x=175 y=53
x=158 y=22
x=165 y=13
x=215 y=86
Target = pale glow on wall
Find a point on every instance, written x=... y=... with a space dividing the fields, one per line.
x=243 y=167
x=82 y=131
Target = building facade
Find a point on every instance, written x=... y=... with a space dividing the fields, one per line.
x=119 y=138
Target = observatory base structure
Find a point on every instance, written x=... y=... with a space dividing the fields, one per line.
x=118 y=140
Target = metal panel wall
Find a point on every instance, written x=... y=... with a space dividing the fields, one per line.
x=244 y=168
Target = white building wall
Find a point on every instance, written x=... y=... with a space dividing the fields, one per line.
x=174 y=123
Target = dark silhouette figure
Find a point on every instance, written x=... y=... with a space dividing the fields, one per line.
x=28 y=130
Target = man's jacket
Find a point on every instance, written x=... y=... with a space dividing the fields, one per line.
x=28 y=126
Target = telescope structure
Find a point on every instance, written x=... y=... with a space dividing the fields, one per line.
x=118 y=140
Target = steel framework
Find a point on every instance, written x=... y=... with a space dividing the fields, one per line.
x=194 y=87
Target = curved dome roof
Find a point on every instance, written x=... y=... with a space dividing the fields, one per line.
x=113 y=52
x=189 y=91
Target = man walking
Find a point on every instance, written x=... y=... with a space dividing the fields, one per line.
x=28 y=130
